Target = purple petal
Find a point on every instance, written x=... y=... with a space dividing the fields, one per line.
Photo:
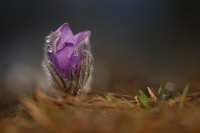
x=65 y=34
x=53 y=59
x=69 y=50
x=68 y=42
x=76 y=60
x=63 y=57
x=79 y=36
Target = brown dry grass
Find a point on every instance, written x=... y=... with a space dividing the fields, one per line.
x=99 y=113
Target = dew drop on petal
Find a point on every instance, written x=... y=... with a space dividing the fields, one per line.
x=48 y=39
x=76 y=54
x=50 y=49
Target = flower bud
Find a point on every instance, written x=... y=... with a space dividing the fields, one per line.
x=68 y=60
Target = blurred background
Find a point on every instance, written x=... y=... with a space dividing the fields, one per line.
x=135 y=43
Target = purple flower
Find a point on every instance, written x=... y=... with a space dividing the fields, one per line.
x=68 y=58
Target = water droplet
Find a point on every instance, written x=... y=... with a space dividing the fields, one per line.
x=48 y=39
x=76 y=54
x=50 y=49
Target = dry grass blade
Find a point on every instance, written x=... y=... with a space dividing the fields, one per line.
x=196 y=94
x=136 y=99
x=36 y=112
x=152 y=93
x=120 y=95
x=97 y=111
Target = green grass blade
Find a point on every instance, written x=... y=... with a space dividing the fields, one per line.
x=143 y=99
x=144 y=102
x=130 y=104
x=183 y=97
x=160 y=89
x=144 y=96
x=110 y=98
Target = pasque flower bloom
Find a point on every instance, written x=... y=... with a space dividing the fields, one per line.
x=68 y=60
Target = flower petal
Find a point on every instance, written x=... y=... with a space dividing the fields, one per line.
x=63 y=57
x=65 y=34
x=82 y=38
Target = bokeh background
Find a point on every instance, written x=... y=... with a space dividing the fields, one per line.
x=135 y=43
